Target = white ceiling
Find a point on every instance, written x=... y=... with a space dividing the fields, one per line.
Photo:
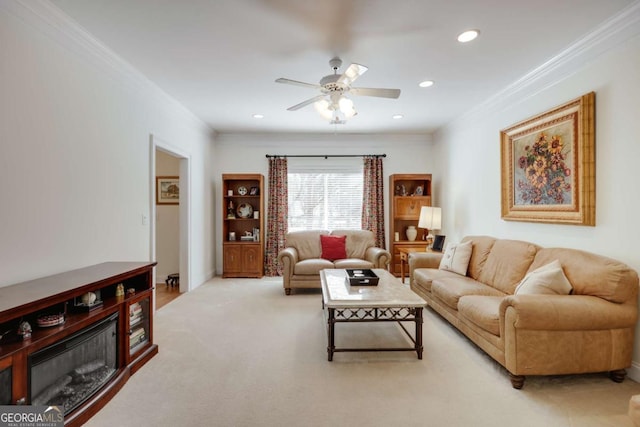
x=220 y=58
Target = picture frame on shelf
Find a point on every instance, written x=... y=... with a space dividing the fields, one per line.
x=548 y=166
x=254 y=191
x=167 y=190
x=419 y=191
x=438 y=243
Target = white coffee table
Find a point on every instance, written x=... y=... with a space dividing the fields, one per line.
x=389 y=301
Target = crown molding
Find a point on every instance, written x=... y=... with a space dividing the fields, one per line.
x=48 y=19
x=607 y=36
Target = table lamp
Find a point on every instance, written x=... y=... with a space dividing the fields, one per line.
x=430 y=219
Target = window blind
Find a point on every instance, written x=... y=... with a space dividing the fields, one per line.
x=325 y=194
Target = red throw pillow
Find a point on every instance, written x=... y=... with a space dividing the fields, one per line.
x=333 y=247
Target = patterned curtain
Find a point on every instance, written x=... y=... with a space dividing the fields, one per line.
x=278 y=212
x=373 y=198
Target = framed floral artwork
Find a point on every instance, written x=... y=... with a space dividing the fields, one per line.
x=548 y=166
x=167 y=190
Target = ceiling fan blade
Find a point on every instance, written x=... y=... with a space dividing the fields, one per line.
x=352 y=73
x=305 y=103
x=297 y=83
x=379 y=92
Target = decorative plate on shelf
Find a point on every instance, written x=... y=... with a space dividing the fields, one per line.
x=48 y=320
x=242 y=191
x=244 y=210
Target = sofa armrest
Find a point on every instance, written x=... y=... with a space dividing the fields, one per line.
x=566 y=313
x=289 y=258
x=424 y=260
x=378 y=256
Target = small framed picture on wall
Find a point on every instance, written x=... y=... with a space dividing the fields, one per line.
x=167 y=190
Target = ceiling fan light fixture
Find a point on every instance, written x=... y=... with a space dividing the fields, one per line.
x=345 y=104
x=350 y=113
x=468 y=35
x=327 y=114
x=346 y=107
x=323 y=108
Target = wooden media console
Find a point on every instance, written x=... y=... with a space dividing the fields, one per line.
x=91 y=323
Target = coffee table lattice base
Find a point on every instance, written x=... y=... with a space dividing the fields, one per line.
x=375 y=314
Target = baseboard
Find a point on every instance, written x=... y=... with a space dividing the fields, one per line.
x=634 y=371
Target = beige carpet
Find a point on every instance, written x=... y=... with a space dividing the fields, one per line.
x=238 y=352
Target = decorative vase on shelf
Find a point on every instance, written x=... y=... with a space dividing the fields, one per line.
x=412 y=233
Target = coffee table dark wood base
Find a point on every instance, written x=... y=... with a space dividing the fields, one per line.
x=375 y=314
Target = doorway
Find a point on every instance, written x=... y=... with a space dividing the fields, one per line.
x=170 y=237
x=167 y=230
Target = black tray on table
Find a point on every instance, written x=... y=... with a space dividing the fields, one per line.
x=362 y=277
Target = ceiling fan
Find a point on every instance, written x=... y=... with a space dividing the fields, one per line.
x=334 y=88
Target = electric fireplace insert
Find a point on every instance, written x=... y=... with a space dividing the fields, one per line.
x=70 y=371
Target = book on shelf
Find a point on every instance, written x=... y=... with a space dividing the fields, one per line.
x=135 y=319
x=135 y=309
x=137 y=337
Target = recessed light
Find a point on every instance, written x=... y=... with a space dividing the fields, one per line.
x=258 y=116
x=468 y=35
x=397 y=116
x=426 y=83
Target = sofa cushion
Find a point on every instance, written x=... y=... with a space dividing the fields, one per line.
x=352 y=263
x=333 y=247
x=592 y=274
x=482 y=311
x=307 y=243
x=450 y=289
x=311 y=266
x=358 y=241
x=424 y=277
x=481 y=248
x=456 y=258
x=546 y=280
x=507 y=264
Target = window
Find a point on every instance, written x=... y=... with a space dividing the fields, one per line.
x=327 y=197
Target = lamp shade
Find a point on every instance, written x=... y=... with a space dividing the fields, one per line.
x=430 y=218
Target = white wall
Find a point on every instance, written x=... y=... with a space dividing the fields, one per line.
x=75 y=125
x=245 y=153
x=167 y=223
x=471 y=167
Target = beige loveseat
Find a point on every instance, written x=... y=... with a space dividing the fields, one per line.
x=302 y=258
x=589 y=330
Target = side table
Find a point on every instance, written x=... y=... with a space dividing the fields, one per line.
x=404 y=257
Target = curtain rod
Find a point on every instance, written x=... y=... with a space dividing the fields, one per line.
x=270 y=156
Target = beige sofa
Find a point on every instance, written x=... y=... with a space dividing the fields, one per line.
x=302 y=258
x=589 y=330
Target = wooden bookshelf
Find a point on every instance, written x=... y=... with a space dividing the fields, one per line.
x=408 y=194
x=242 y=228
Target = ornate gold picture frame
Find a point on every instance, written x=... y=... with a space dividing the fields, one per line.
x=548 y=166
